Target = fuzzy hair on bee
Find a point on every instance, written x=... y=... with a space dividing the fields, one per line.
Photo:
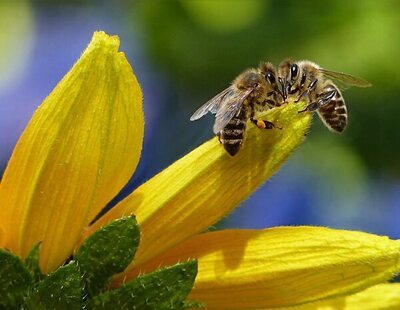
x=252 y=91
x=305 y=80
x=267 y=87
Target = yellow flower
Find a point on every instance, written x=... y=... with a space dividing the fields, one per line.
x=83 y=144
x=378 y=297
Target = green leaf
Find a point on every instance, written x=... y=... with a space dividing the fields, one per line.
x=163 y=289
x=15 y=280
x=60 y=290
x=32 y=264
x=107 y=252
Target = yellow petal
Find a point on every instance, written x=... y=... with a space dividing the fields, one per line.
x=77 y=152
x=1 y=237
x=206 y=184
x=378 y=297
x=280 y=267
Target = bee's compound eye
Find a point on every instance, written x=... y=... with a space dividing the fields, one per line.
x=294 y=70
x=270 y=78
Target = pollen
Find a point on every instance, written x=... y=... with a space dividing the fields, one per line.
x=261 y=124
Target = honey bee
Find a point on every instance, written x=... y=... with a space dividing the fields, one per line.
x=306 y=79
x=252 y=91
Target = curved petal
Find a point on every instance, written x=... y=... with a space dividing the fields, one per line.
x=1 y=237
x=79 y=149
x=206 y=184
x=280 y=267
x=379 y=297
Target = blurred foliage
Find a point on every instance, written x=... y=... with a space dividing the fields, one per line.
x=224 y=16
x=203 y=45
x=336 y=174
x=61 y=2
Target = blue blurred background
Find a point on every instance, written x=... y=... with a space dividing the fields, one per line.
x=184 y=52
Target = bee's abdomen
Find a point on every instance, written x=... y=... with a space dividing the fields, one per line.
x=334 y=114
x=232 y=135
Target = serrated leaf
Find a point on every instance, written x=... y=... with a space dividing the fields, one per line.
x=60 y=290
x=15 y=280
x=163 y=289
x=107 y=252
x=32 y=264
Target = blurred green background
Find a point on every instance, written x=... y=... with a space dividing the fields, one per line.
x=186 y=51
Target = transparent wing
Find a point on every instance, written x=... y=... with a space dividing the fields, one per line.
x=345 y=78
x=212 y=105
x=231 y=105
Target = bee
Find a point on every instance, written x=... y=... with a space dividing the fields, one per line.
x=252 y=91
x=306 y=79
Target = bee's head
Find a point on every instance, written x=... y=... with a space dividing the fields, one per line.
x=288 y=75
x=289 y=70
x=268 y=71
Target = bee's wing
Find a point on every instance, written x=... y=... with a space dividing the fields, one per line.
x=231 y=105
x=212 y=105
x=345 y=78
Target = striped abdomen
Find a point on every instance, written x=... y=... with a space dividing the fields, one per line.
x=334 y=114
x=232 y=135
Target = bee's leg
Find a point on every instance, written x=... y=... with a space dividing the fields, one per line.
x=271 y=103
x=283 y=92
x=310 y=87
x=262 y=124
x=294 y=90
x=219 y=137
x=324 y=100
x=275 y=93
